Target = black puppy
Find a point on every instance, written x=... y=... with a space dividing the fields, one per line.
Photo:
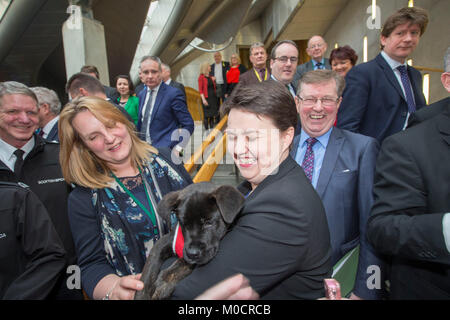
x=204 y=213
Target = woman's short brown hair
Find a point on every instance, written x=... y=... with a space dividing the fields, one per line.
x=80 y=165
x=343 y=53
x=268 y=98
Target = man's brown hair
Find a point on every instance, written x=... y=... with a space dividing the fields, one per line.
x=91 y=69
x=412 y=15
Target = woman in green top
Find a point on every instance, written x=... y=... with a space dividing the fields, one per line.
x=127 y=99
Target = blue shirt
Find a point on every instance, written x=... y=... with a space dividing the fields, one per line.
x=319 y=149
x=314 y=62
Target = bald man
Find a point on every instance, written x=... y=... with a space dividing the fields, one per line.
x=316 y=50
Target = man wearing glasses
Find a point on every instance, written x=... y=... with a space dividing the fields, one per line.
x=283 y=63
x=316 y=50
x=340 y=165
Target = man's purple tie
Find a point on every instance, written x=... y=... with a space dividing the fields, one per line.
x=407 y=86
x=308 y=160
x=262 y=73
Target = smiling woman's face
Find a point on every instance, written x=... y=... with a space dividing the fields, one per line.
x=111 y=142
x=256 y=144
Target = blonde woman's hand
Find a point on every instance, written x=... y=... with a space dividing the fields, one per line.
x=113 y=287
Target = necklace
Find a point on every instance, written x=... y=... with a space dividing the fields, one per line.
x=151 y=214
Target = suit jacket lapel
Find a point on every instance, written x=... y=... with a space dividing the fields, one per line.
x=390 y=75
x=141 y=95
x=416 y=84
x=159 y=98
x=253 y=75
x=444 y=124
x=53 y=133
x=294 y=148
x=329 y=161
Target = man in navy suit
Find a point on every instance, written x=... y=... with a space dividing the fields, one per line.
x=49 y=108
x=382 y=93
x=340 y=165
x=162 y=109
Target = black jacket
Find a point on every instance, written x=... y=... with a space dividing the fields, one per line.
x=412 y=195
x=31 y=253
x=225 y=68
x=42 y=173
x=280 y=241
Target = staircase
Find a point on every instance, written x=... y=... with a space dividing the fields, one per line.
x=226 y=173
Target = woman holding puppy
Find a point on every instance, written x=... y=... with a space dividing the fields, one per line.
x=280 y=241
x=120 y=179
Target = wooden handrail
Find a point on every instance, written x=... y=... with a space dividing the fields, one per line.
x=428 y=69
x=194 y=105
x=208 y=169
x=191 y=163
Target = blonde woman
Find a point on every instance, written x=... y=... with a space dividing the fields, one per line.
x=112 y=211
x=236 y=69
x=207 y=89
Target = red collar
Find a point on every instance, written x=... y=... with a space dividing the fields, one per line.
x=178 y=242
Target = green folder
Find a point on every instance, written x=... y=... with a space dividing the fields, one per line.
x=344 y=271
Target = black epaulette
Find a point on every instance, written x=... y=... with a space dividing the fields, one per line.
x=14 y=184
x=52 y=141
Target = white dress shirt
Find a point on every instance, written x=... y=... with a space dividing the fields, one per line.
x=218 y=73
x=7 y=155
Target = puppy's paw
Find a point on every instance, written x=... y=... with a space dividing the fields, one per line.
x=163 y=291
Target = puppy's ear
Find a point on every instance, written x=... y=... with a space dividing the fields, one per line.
x=166 y=206
x=230 y=202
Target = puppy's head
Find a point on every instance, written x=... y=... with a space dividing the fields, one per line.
x=204 y=213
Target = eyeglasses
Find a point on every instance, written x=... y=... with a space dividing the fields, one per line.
x=285 y=59
x=329 y=102
x=319 y=45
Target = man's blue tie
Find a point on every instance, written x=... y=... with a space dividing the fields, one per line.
x=146 y=121
x=319 y=66
x=407 y=86
x=308 y=160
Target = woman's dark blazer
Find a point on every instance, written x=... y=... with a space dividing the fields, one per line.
x=280 y=241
